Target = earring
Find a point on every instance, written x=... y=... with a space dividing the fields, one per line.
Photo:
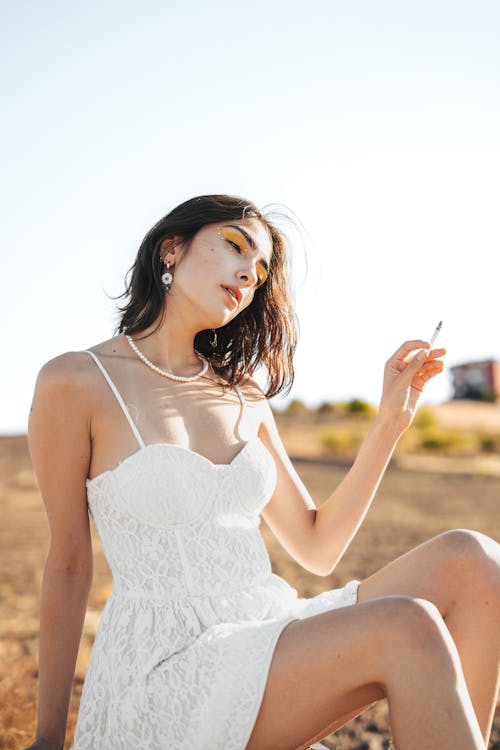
x=213 y=342
x=167 y=278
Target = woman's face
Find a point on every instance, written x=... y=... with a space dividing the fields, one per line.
x=235 y=253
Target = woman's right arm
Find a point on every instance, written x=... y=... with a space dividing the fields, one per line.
x=60 y=448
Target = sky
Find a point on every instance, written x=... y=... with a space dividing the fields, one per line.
x=375 y=123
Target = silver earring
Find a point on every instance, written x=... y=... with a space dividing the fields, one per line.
x=213 y=342
x=167 y=278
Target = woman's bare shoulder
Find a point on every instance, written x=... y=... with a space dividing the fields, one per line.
x=74 y=368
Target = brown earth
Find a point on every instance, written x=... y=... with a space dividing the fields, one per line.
x=463 y=414
x=410 y=507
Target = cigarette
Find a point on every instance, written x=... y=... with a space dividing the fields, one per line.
x=434 y=336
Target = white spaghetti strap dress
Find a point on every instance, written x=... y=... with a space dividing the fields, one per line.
x=183 y=649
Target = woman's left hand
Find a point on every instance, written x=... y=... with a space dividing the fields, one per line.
x=404 y=381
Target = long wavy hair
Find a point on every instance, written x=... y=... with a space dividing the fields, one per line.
x=266 y=332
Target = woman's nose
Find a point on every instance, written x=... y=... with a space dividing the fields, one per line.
x=249 y=274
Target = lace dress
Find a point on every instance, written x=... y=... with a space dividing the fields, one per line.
x=183 y=649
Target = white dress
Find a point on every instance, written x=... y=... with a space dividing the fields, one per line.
x=182 y=653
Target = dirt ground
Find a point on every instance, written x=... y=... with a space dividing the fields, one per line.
x=410 y=507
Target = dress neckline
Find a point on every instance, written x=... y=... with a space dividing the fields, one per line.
x=181 y=448
x=143 y=446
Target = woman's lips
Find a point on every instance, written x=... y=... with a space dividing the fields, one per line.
x=233 y=299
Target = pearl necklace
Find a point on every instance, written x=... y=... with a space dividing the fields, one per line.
x=164 y=372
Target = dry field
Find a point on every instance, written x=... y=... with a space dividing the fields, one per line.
x=411 y=506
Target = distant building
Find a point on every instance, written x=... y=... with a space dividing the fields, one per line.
x=477 y=380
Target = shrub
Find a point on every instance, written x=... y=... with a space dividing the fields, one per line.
x=485 y=394
x=296 y=406
x=424 y=418
x=489 y=442
x=327 y=407
x=446 y=441
x=341 y=441
x=358 y=406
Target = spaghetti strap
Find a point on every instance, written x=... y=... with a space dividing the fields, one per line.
x=118 y=398
x=240 y=396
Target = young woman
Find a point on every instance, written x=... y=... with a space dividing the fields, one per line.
x=163 y=434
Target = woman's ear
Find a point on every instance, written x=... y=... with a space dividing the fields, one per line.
x=168 y=246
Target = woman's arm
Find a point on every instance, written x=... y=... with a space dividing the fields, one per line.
x=340 y=517
x=60 y=447
x=317 y=538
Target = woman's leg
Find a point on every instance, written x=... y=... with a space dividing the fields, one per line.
x=330 y=664
x=459 y=572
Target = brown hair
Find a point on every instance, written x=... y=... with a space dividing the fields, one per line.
x=264 y=332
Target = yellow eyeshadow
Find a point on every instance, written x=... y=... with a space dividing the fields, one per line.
x=263 y=275
x=232 y=234
x=228 y=233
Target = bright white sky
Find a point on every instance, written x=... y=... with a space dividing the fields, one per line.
x=376 y=122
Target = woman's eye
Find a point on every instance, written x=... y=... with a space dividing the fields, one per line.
x=261 y=279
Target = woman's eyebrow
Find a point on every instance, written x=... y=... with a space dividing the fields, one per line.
x=250 y=241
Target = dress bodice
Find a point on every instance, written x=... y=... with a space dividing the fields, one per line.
x=165 y=512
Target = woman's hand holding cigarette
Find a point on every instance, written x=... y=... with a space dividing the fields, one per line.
x=404 y=381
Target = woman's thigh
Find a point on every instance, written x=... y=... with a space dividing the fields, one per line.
x=327 y=668
x=440 y=569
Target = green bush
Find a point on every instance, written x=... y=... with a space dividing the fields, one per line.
x=358 y=406
x=327 y=407
x=341 y=441
x=489 y=396
x=296 y=406
x=484 y=394
x=424 y=418
x=489 y=442
x=440 y=440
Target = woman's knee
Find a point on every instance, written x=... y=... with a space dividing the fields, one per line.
x=473 y=558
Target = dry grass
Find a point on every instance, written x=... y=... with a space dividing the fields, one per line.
x=410 y=507
x=309 y=434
